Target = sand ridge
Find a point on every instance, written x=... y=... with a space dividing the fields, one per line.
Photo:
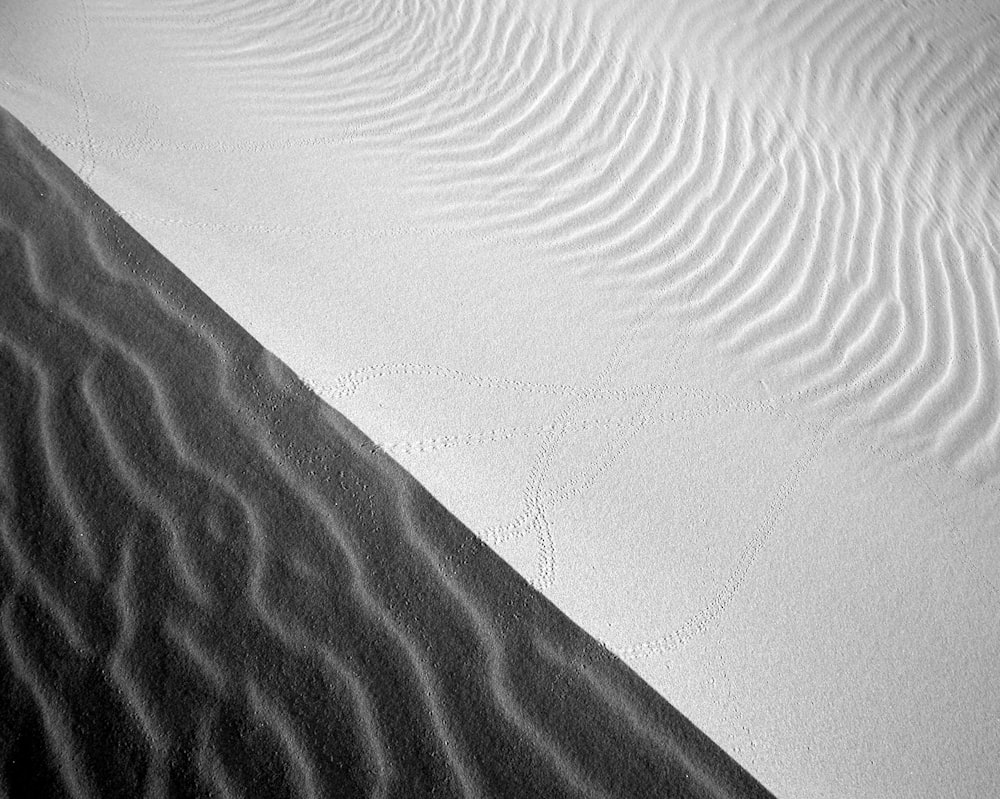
x=213 y=584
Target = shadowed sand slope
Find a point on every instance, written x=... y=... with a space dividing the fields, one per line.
x=213 y=584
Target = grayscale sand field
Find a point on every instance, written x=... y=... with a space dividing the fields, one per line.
x=689 y=310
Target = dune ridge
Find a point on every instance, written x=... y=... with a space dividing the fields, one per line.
x=213 y=584
x=832 y=225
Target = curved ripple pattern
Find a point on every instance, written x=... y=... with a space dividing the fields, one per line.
x=836 y=252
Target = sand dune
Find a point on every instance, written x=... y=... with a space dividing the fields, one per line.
x=688 y=309
x=215 y=585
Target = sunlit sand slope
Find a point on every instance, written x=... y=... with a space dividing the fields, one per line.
x=814 y=185
x=211 y=584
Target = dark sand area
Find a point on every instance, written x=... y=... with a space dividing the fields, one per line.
x=212 y=584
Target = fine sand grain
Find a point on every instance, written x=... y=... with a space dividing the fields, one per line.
x=212 y=584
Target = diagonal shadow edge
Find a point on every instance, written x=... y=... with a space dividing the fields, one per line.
x=213 y=584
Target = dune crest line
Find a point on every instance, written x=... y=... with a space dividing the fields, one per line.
x=212 y=584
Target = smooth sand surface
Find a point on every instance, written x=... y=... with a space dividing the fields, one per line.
x=690 y=310
x=212 y=584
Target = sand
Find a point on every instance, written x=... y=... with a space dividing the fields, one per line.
x=690 y=310
x=215 y=585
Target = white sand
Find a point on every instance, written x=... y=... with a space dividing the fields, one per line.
x=692 y=310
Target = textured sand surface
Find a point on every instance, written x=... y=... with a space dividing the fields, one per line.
x=691 y=310
x=212 y=584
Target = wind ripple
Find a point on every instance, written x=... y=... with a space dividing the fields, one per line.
x=792 y=178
